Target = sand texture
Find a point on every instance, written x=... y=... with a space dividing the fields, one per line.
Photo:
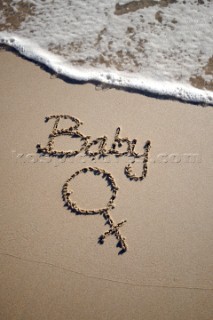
x=52 y=264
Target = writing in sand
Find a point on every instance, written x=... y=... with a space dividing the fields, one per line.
x=101 y=143
x=102 y=151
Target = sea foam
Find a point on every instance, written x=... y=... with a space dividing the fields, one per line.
x=163 y=47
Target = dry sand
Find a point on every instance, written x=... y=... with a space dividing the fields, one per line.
x=51 y=264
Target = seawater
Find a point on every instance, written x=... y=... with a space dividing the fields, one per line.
x=161 y=46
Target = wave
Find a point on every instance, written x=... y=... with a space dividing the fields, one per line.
x=114 y=78
x=162 y=47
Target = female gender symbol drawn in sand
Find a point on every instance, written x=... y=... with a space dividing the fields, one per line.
x=114 y=228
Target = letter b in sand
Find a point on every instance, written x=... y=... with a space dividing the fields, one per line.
x=71 y=131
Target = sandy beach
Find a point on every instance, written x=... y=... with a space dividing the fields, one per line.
x=52 y=266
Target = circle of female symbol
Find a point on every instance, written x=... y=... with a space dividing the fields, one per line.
x=114 y=228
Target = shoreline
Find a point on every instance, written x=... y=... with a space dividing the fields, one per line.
x=40 y=58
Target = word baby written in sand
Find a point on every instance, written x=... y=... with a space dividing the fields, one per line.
x=102 y=151
x=100 y=142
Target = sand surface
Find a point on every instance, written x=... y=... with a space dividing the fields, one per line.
x=52 y=266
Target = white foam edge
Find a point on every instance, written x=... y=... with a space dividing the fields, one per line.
x=59 y=65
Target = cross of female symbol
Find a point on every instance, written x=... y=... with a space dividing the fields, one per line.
x=114 y=228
